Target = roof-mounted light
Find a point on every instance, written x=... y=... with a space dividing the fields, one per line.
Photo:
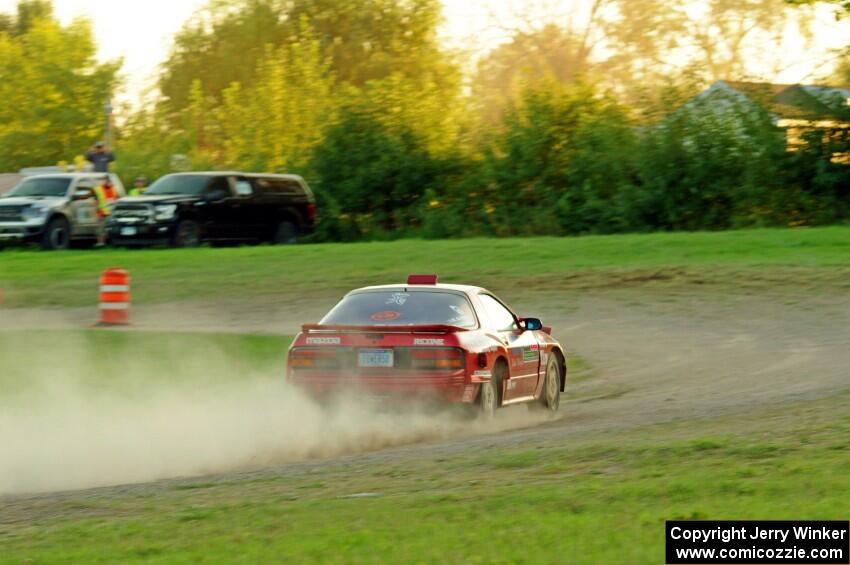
x=422 y=279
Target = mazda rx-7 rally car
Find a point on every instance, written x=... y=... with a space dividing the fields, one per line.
x=456 y=343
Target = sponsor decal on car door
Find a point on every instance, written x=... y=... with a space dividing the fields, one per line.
x=523 y=350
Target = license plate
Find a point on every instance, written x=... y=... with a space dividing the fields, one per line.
x=128 y=231
x=375 y=358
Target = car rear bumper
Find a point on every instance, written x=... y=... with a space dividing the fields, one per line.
x=451 y=388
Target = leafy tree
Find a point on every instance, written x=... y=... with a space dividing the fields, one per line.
x=29 y=12
x=369 y=40
x=633 y=47
x=560 y=161
x=375 y=173
x=551 y=52
x=710 y=166
x=224 y=43
x=272 y=123
x=365 y=40
x=843 y=5
x=53 y=89
x=284 y=112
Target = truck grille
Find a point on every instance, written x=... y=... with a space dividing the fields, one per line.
x=11 y=213
x=132 y=213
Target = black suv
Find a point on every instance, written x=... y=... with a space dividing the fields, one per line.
x=186 y=209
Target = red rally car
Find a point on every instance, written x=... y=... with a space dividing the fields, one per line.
x=457 y=343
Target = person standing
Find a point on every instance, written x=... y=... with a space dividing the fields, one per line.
x=139 y=187
x=100 y=157
x=106 y=195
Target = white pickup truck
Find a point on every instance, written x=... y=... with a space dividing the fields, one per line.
x=57 y=211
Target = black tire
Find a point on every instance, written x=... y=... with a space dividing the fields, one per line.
x=490 y=394
x=286 y=233
x=57 y=235
x=187 y=234
x=550 y=397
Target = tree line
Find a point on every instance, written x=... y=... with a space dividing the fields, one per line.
x=573 y=128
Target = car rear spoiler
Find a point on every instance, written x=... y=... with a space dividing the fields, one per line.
x=421 y=328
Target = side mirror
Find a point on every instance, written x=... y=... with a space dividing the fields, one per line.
x=530 y=324
x=83 y=194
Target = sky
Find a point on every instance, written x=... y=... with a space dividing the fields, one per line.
x=141 y=31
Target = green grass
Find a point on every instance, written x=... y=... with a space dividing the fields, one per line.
x=602 y=499
x=33 y=278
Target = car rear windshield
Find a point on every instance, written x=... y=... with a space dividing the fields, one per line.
x=400 y=308
x=192 y=185
x=42 y=187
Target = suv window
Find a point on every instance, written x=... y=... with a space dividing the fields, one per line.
x=500 y=317
x=180 y=184
x=244 y=188
x=280 y=187
x=220 y=185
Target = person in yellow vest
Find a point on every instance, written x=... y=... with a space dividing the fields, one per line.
x=139 y=187
x=106 y=195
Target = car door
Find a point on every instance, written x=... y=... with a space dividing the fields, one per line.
x=249 y=212
x=219 y=209
x=522 y=346
x=83 y=214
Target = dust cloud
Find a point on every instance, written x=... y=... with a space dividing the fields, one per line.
x=72 y=417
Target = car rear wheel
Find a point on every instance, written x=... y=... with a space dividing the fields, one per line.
x=285 y=234
x=57 y=235
x=187 y=234
x=489 y=396
x=550 y=398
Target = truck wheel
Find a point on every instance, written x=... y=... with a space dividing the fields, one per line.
x=187 y=234
x=550 y=398
x=57 y=235
x=285 y=234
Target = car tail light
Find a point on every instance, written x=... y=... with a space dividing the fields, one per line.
x=482 y=360
x=314 y=358
x=311 y=211
x=445 y=359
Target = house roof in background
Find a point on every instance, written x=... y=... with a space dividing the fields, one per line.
x=791 y=101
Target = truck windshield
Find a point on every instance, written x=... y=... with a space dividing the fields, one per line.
x=41 y=187
x=400 y=308
x=192 y=185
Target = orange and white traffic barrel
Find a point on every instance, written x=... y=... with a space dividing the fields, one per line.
x=115 y=297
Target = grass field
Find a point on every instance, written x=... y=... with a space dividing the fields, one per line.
x=33 y=278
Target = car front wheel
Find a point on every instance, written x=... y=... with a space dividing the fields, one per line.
x=57 y=235
x=187 y=234
x=550 y=399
